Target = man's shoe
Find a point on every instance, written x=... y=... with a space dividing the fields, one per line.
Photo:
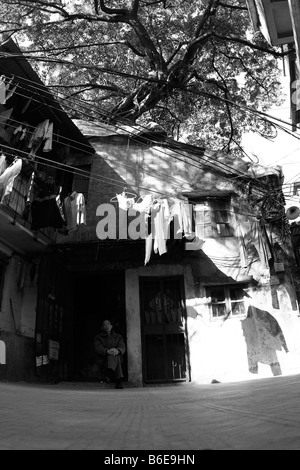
x=119 y=385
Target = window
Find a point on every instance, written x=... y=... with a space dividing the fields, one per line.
x=213 y=219
x=227 y=301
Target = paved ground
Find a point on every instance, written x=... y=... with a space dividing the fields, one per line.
x=261 y=414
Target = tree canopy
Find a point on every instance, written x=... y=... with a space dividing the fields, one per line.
x=193 y=66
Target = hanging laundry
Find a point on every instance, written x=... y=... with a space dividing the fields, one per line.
x=18 y=139
x=124 y=201
x=160 y=222
x=144 y=205
x=182 y=214
x=75 y=210
x=3 y=164
x=45 y=207
x=2 y=90
x=42 y=132
x=8 y=176
x=160 y=244
x=10 y=92
x=187 y=219
x=4 y=116
x=48 y=138
x=253 y=245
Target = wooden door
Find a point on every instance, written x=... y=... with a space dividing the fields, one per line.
x=163 y=320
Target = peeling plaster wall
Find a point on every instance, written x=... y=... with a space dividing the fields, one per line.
x=262 y=344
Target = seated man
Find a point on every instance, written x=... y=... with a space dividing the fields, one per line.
x=109 y=348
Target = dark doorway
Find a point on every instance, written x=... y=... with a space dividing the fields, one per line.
x=163 y=320
x=97 y=297
x=54 y=319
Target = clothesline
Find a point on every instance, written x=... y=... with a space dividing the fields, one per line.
x=46 y=207
x=159 y=213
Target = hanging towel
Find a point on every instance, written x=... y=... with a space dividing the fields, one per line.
x=7 y=178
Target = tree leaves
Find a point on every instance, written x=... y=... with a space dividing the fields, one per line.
x=194 y=67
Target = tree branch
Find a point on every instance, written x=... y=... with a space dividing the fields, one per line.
x=96 y=7
x=226 y=95
x=234 y=7
x=113 y=11
x=205 y=16
x=44 y=5
x=250 y=44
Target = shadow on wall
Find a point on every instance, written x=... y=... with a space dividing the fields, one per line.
x=264 y=337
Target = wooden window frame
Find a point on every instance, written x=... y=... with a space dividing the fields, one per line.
x=227 y=302
x=214 y=226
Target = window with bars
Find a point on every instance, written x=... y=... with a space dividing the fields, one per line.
x=213 y=219
x=227 y=301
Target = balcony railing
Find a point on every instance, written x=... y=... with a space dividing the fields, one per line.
x=17 y=205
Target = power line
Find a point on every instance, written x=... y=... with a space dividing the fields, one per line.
x=150 y=79
x=207 y=160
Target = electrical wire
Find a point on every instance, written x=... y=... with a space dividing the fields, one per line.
x=244 y=175
x=149 y=79
x=162 y=176
x=207 y=160
x=100 y=178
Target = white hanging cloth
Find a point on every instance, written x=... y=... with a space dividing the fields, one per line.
x=75 y=210
x=8 y=176
x=3 y=164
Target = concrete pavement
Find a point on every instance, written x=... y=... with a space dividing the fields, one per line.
x=261 y=414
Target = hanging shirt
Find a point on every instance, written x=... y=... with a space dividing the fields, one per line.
x=75 y=210
x=8 y=176
x=125 y=202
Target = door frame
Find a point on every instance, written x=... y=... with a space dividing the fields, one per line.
x=174 y=277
